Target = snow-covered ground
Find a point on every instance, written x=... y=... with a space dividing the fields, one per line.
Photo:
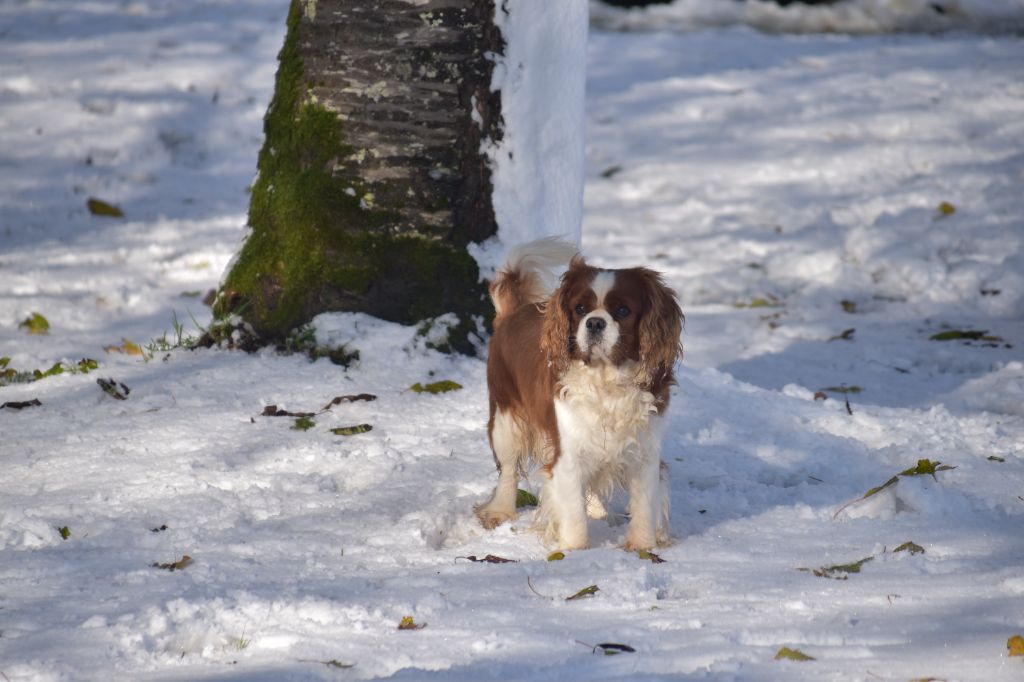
x=771 y=177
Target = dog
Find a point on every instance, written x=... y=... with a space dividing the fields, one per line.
x=579 y=382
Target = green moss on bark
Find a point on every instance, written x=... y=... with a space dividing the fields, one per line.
x=320 y=242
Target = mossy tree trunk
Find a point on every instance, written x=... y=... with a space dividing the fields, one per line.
x=371 y=182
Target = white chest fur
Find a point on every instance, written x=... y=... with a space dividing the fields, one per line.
x=602 y=413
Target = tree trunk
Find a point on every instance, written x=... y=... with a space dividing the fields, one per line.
x=371 y=181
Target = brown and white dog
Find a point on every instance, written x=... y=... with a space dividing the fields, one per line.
x=579 y=383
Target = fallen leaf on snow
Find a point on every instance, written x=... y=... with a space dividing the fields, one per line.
x=609 y=648
x=588 y=591
x=650 y=556
x=846 y=335
x=35 y=324
x=435 y=387
x=966 y=335
x=924 y=467
x=489 y=559
x=21 y=404
x=114 y=388
x=787 y=654
x=101 y=208
x=911 y=547
x=176 y=565
x=303 y=424
x=352 y=430
x=127 y=347
x=348 y=399
x=838 y=571
x=275 y=411
x=524 y=498
x=407 y=623
x=844 y=389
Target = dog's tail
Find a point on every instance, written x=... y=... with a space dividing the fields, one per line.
x=527 y=276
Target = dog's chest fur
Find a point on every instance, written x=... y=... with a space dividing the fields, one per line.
x=602 y=410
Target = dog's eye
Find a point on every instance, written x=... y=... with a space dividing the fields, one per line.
x=622 y=312
x=580 y=310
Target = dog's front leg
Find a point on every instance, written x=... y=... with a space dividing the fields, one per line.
x=648 y=497
x=564 y=496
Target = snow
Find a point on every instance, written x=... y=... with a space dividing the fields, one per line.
x=537 y=166
x=783 y=173
x=842 y=16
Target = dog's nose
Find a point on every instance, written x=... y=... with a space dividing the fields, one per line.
x=596 y=325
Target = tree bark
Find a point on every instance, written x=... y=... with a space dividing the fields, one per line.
x=371 y=182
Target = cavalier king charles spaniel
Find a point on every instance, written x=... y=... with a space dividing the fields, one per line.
x=579 y=383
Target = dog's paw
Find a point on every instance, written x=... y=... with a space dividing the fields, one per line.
x=492 y=518
x=637 y=542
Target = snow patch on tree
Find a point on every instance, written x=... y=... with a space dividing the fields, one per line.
x=537 y=166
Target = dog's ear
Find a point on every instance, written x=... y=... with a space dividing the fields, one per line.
x=556 y=337
x=660 y=327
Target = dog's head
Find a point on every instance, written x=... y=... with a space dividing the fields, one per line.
x=613 y=317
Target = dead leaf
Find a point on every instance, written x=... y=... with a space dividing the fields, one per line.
x=114 y=388
x=303 y=424
x=612 y=649
x=524 y=498
x=838 y=571
x=348 y=399
x=609 y=648
x=768 y=301
x=21 y=404
x=650 y=556
x=911 y=547
x=175 y=566
x=1015 y=645
x=98 y=207
x=35 y=324
x=787 y=654
x=846 y=335
x=352 y=430
x=335 y=663
x=844 y=389
x=588 y=591
x=966 y=335
x=435 y=387
x=924 y=467
x=489 y=559
x=127 y=347
x=275 y=411
x=408 y=623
